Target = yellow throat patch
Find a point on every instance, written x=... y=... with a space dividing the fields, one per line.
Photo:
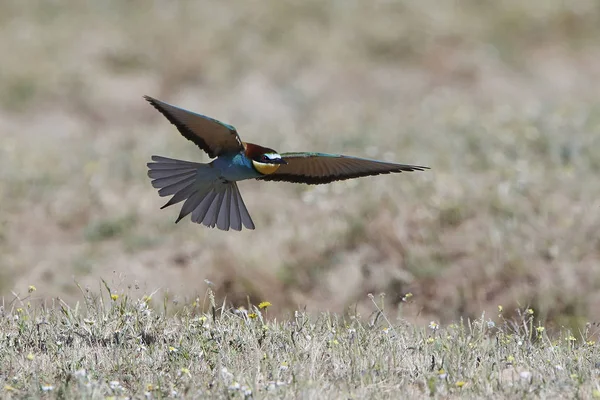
x=265 y=168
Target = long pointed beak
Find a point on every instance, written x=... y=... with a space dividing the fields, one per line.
x=279 y=161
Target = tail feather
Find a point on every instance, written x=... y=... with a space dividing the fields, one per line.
x=171 y=173
x=167 y=160
x=235 y=218
x=180 y=195
x=224 y=211
x=177 y=186
x=244 y=214
x=210 y=201
x=163 y=181
x=210 y=219
x=201 y=210
x=190 y=205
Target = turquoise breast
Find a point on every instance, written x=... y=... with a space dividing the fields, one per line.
x=236 y=168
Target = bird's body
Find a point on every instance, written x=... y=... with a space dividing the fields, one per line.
x=235 y=167
x=210 y=191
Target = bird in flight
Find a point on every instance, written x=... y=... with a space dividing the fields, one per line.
x=210 y=190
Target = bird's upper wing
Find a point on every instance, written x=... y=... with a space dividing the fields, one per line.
x=210 y=135
x=317 y=168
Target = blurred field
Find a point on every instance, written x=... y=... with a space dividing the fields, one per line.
x=500 y=98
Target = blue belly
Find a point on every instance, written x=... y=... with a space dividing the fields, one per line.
x=235 y=168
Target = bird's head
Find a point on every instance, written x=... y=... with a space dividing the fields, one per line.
x=265 y=160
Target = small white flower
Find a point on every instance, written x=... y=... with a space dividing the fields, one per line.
x=525 y=375
x=47 y=388
x=80 y=373
x=434 y=325
x=114 y=385
x=225 y=374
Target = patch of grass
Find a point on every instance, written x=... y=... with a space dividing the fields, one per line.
x=109 y=228
x=18 y=93
x=111 y=344
x=495 y=97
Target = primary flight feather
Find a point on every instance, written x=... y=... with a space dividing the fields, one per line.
x=209 y=191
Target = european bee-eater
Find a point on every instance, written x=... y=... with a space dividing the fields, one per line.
x=210 y=191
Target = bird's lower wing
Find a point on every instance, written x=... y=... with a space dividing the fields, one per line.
x=318 y=168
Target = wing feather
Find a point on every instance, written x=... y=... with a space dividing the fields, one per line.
x=318 y=168
x=212 y=136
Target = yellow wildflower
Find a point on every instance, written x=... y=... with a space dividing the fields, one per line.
x=114 y=297
x=460 y=384
x=264 y=305
x=31 y=288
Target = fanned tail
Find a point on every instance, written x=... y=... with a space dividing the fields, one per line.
x=210 y=201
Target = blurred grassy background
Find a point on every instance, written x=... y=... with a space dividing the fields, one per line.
x=500 y=98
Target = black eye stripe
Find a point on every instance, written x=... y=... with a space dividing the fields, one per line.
x=266 y=158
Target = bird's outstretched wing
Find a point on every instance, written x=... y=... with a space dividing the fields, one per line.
x=212 y=136
x=317 y=168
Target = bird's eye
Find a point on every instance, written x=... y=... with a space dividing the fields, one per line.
x=264 y=158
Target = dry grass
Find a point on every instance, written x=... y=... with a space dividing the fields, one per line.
x=118 y=346
x=499 y=98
